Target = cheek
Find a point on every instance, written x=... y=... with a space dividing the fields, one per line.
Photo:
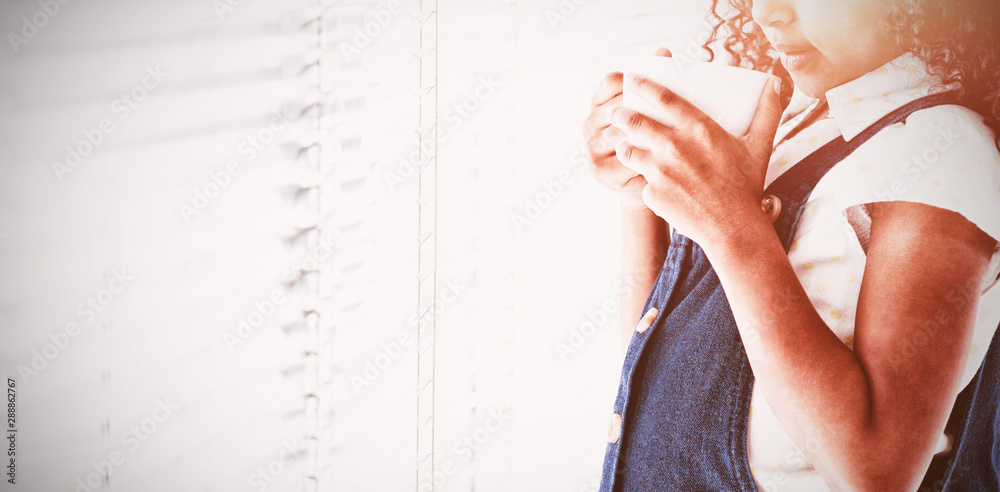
x=844 y=30
x=851 y=34
x=857 y=55
x=848 y=48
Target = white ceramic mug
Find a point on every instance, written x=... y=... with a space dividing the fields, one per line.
x=729 y=95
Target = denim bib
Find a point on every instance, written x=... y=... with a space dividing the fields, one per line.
x=680 y=417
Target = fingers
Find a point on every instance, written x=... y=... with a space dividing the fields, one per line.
x=634 y=186
x=598 y=120
x=610 y=87
x=765 y=123
x=603 y=143
x=606 y=167
x=676 y=108
x=641 y=130
x=637 y=159
x=611 y=172
x=663 y=52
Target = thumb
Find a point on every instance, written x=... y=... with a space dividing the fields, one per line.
x=767 y=118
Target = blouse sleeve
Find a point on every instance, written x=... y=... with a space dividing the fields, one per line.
x=943 y=156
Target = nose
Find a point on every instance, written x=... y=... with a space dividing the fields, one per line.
x=771 y=13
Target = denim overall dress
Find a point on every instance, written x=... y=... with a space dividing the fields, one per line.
x=680 y=417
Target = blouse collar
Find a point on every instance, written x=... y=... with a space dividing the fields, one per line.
x=856 y=105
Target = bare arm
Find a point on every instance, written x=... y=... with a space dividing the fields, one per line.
x=645 y=236
x=871 y=417
x=645 y=240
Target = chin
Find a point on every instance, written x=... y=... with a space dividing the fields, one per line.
x=810 y=87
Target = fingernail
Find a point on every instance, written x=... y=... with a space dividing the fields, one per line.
x=777 y=85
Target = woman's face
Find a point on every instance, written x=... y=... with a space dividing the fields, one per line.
x=825 y=43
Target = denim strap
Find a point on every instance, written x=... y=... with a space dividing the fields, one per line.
x=795 y=185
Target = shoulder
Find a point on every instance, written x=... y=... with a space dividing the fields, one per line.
x=943 y=156
x=950 y=135
x=944 y=128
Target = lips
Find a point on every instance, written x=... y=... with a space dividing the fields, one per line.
x=795 y=57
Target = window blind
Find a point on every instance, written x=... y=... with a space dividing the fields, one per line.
x=160 y=197
x=311 y=245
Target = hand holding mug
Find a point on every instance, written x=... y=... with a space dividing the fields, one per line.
x=602 y=138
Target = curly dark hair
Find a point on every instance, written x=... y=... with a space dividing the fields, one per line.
x=959 y=40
